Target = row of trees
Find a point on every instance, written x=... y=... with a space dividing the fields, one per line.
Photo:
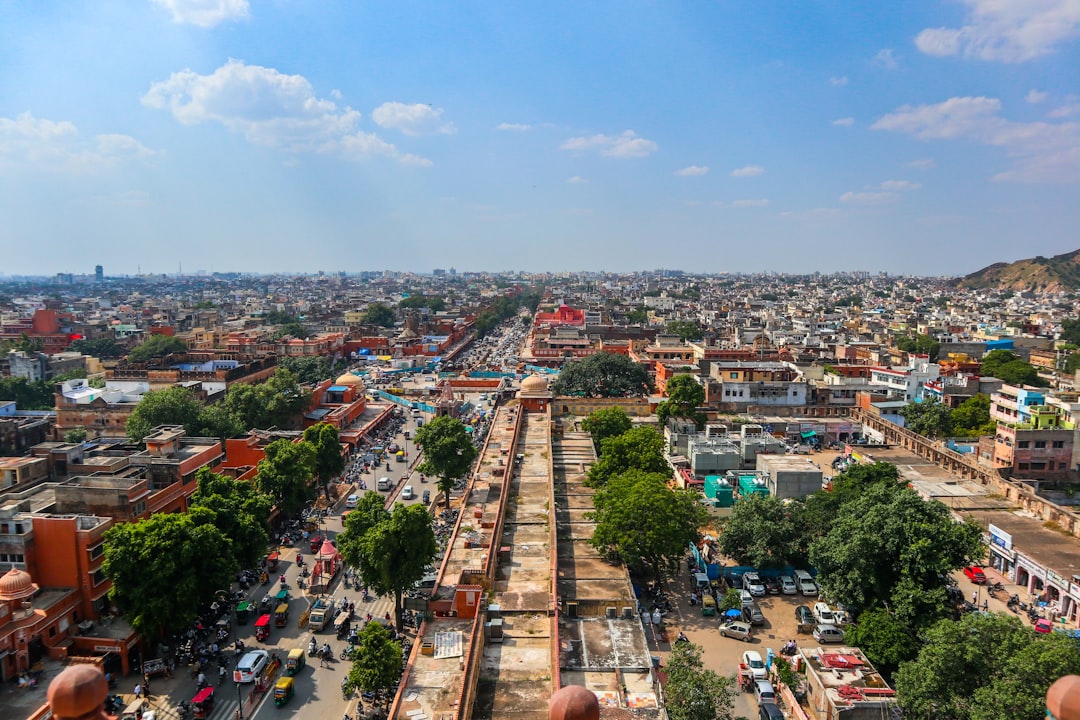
x=936 y=420
x=504 y=308
x=603 y=375
x=245 y=406
x=1009 y=367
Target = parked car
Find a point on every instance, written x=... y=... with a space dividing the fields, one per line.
x=828 y=634
x=806 y=583
x=751 y=582
x=753 y=615
x=753 y=662
x=804 y=615
x=350 y=502
x=770 y=711
x=975 y=574
x=823 y=614
x=772 y=585
x=764 y=692
x=746 y=597
x=737 y=630
x=787 y=585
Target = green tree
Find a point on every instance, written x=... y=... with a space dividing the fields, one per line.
x=972 y=417
x=218 y=421
x=275 y=402
x=685 y=329
x=448 y=452
x=886 y=640
x=309 y=370
x=378 y=313
x=639 y=448
x=605 y=423
x=376 y=667
x=637 y=316
x=966 y=665
x=237 y=509
x=684 y=396
x=693 y=692
x=293 y=329
x=658 y=546
x=326 y=450
x=75 y=435
x=431 y=302
x=284 y=473
x=392 y=555
x=101 y=348
x=173 y=406
x=821 y=508
x=1008 y=367
x=602 y=375
x=1072 y=362
x=929 y=417
x=157 y=346
x=370 y=510
x=888 y=538
x=920 y=344
x=277 y=317
x=1070 y=331
x=165 y=567
x=37 y=395
x=763 y=531
x=732 y=600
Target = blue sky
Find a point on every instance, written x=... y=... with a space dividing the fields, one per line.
x=927 y=137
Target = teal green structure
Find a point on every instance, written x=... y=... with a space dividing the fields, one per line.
x=718 y=491
x=752 y=484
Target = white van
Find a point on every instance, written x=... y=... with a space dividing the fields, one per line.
x=384 y=483
x=806 y=583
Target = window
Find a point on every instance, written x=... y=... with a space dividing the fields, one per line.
x=1061 y=466
x=1038 y=466
x=97 y=551
x=1040 y=444
x=1023 y=466
x=1023 y=444
x=734 y=376
x=98 y=576
x=1058 y=444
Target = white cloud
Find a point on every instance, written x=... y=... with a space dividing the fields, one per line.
x=754 y=202
x=693 y=170
x=1064 y=111
x=748 y=171
x=1036 y=96
x=838 y=81
x=869 y=197
x=412 y=120
x=270 y=109
x=205 y=13
x=626 y=145
x=1005 y=30
x=513 y=127
x=899 y=185
x=923 y=164
x=26 y=141
x=844 y=122
x=886 y=58
x=1042 y=152
x=576 y=180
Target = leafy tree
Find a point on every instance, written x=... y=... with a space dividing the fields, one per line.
x=370 y=510
x=1070 y=331
x=218 y=421
x=685 y=329
x=172 y=406
x=605 y=423
x=284 y=473
x=75 y=435
x=293 y=329
x=309 y=370
x=392 y=555
x=157 y=346
x=920 y=344
x=431 y=302
x=685 y=395
x=886 y=640
x=376 y=667
x=277 y=317
x=101 y=348
x=272 y=403
x=763 y=531
x=1008 y=367
x=1072 y=362
x=237 y=509
x=640 y=448
x=379 y=314
x=37 y=395
x=984 y=667
x=163 y=568
x=929 y=417
x=326 y=447
x=731 y=600
x=693 y=692
x=448 y=452
x=658 y=546
x=602 y=375
x=637 y=316
x=888 y=538
x=972 y=417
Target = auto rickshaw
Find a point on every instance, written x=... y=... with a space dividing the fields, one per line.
x=281 y=615
x=708 y=605
x=272 y=561
x=295 y=662
x=281 y=596
x=262 y=627
x=283 y=690
x=243 y=612
x=203 y=702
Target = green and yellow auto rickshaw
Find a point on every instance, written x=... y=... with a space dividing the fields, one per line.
x=283 y=690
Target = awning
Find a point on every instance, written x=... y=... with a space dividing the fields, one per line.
x=809 y=434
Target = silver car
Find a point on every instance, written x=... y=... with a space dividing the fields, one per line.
x=738 y=630
x=787 y=586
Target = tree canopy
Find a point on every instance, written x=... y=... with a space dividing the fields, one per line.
x=886 y=640
x=434 y=303
x=685 y=329
x=972 y=417
x=639 y=448
x=656 y=546
x=448 y=452
x=309 y=370
x=920 y=344
x=378 y=313
x=284 y=473
x=684 y=396
x=176 y=405
x=765 y=532
x=237 y=509
x=1070 y=331
x=27 y=395
x=605 y=423
x=602 y=375
x=694 y=692
x=156 y=346
x=327 y=460
x=928 y=417
x=1010 y=368
x=101 y=348
x=377 y=666
x=273 y=403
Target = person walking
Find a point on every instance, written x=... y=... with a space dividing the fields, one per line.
x=138 y=691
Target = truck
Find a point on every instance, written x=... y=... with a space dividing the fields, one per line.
x=322 y=612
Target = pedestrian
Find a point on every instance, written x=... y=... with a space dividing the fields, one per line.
x=146 y=685
x=975 y=597
x=138 y=691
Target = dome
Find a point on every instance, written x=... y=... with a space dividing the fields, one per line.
x=16 y=584
x=534 y=384
x=350 y=380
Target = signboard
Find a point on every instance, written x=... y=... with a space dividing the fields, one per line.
x=105 y=648
x=1055 y=578
x=999 y=537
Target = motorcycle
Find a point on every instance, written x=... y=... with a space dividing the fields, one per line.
x=312 y=648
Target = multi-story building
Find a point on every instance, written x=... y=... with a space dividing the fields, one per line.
x=1034 y=439
x=740 y=386
x=906 y=383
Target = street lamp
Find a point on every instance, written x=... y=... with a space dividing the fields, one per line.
x=239 y=703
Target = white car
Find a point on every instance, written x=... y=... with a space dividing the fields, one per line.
x=752 y=582
x=250 y=666
x=753 y=662
x=824 y=614
x=350 y=502
x=787 y=586
x=407 y=493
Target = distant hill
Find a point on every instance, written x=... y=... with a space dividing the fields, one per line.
x=1058 y=273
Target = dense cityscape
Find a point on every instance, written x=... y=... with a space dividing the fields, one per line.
x=427 y=489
